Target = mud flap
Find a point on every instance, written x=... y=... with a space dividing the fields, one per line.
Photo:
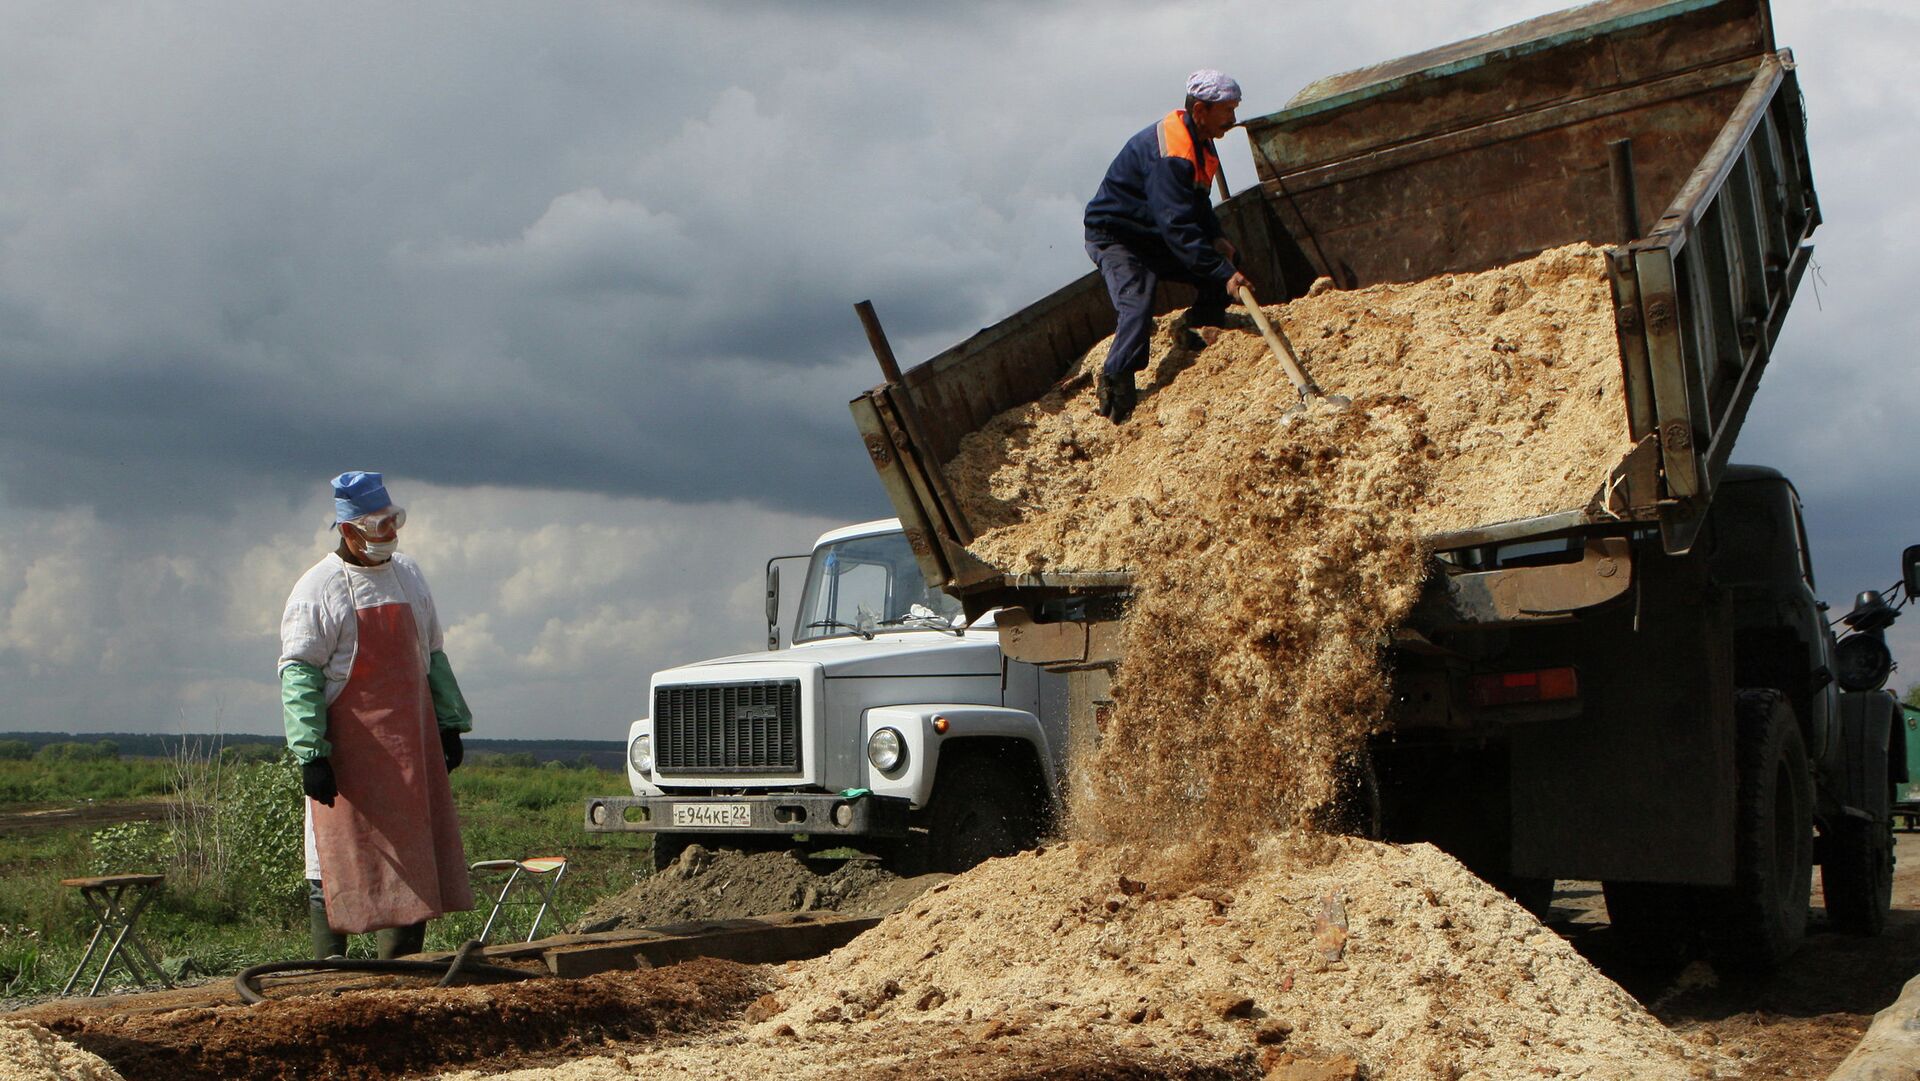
x=1866 y=732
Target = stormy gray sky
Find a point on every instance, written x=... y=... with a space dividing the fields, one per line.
x=578 y=278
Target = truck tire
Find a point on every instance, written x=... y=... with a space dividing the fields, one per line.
x=983 y=806
x=1857 y=876
x=1760 y=921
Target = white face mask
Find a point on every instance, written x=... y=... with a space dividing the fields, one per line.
x=379 y=551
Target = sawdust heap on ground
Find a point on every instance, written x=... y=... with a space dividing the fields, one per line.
x=706 y=884
x=1270 y=561
x=1385 y=962
x=29 y=1052
x=1394 y=956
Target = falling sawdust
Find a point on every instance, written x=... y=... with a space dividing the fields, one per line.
x=29 y=1052
x=1271 y=561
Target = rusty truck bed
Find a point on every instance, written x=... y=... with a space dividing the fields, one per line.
x=1473 y=155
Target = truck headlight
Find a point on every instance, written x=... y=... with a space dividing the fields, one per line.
x=640 y=754
x=886 y=750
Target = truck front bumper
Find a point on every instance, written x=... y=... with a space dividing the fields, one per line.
x=780 y=813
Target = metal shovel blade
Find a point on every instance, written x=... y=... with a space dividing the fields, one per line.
x=1283 y=352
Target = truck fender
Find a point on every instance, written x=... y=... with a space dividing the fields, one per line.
x=913 y=778
x=641 y=784
x=1866 y=734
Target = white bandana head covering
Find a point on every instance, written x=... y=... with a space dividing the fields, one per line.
x=1210 y=85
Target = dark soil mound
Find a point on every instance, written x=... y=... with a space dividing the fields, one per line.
x=374 y=1035
x=719 y=884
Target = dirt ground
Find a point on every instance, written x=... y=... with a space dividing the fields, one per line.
x=20 y=822
x=720 y=884
x=1798 y=1023
x=376 y=1034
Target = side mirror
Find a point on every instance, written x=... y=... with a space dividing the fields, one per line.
x=1910 y=570
x=773 y=607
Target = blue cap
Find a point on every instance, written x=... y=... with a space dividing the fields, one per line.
x=356 y=493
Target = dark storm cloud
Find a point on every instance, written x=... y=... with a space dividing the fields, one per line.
x=580 y=277
x=558 y=249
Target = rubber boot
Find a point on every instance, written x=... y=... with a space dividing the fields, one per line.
x=327 y=942
x=401 y=941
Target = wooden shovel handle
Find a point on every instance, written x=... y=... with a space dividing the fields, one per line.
x=1282 y=348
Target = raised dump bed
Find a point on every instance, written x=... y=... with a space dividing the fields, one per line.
x=1475 y=155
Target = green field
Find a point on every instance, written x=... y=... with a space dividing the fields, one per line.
x=227 y=834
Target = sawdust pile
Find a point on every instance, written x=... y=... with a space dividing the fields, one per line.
x=1270 y=561
x=28 y=1052
x=1385 y=962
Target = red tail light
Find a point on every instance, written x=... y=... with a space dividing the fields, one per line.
x=1513 y=688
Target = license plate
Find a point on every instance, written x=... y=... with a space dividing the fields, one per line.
x=711 y=815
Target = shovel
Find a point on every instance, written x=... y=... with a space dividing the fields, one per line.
x=1283 y=352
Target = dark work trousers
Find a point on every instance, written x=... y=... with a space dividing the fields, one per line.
x=1133 y=270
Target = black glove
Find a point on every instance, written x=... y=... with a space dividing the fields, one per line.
x=316 y=777
x=450 y=746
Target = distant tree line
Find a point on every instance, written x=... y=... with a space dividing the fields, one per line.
x=244 y=747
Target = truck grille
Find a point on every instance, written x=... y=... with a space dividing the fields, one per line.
x=728 y=727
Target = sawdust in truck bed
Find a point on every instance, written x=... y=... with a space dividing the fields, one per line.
x=1511 y=376
x=1270 y=561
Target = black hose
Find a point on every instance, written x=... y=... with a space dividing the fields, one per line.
x=460 y=966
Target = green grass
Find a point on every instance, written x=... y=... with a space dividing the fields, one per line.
x=34 y=781
x=505 y=812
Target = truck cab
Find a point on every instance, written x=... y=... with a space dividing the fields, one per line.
x=892 y=723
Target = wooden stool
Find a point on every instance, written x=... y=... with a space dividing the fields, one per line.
x=536 y=875
x=117 y=901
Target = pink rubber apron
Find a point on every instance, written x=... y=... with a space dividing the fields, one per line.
x=390 y=852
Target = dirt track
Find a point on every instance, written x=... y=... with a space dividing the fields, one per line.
x=89 y=814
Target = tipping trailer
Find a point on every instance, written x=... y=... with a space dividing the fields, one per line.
x=1640 y=689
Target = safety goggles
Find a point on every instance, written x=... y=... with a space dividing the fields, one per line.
x=380 y=524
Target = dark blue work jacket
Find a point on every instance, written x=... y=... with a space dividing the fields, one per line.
x=1158 y=189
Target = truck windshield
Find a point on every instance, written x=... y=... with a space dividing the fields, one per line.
x=865 y=584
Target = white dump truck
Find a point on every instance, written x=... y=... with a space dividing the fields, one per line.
x=891 y=724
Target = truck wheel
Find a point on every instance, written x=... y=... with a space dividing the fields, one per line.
x=1758 y=922
x=1857 y=877
x=982 y=807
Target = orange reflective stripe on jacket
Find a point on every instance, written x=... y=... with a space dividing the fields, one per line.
x=1177 y=142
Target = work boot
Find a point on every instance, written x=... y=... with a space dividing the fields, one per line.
x=327 y=942
x=1193 y=337
x=1117 y=397
x=401 y=941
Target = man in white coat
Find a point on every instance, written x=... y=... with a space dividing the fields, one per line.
x=374 y=716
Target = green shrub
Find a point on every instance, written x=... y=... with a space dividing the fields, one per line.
x=131 y=848
x=15 y=750
x=260 y=819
